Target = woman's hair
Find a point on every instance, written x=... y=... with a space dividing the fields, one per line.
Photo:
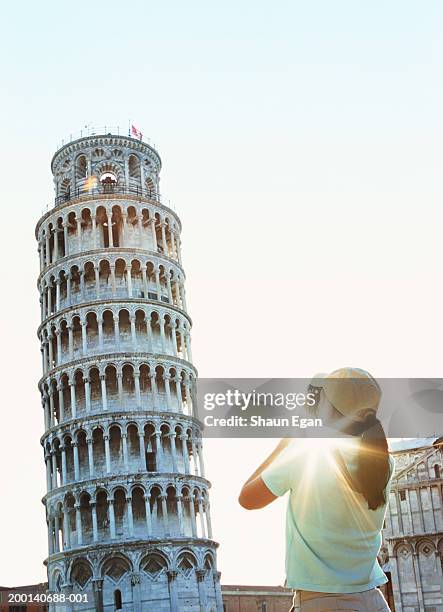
x=373 y=467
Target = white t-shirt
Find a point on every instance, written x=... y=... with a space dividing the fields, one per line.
x=332 y=538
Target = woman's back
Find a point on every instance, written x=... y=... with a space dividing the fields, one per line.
x=332 y=538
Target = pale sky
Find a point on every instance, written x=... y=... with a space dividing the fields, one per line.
x=301 y=146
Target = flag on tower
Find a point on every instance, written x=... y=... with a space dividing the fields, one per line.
x=136 y=133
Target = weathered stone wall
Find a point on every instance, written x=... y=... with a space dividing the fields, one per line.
x=413 y=536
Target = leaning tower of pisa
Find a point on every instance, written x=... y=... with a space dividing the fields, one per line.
x=127 y=504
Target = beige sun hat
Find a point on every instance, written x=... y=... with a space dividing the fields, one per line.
x=352 y=391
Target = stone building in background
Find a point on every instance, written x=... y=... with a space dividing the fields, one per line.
x=127 y=503
x=243 y=598
x=412 y=551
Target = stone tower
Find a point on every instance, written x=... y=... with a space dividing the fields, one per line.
x=127 y=502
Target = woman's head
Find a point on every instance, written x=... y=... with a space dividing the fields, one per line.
x=353 y=392
x=348 y=401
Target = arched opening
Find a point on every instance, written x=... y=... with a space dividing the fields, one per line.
x=125 y=329
x=86 y=517
x=105 y=285
x=163 y=285
x=86 y=229
x=55 y=403
x=120 y=278
x=208 y=565
x=171 y=506
x=169 y=330
x=134 y=167
x=95 y=391
x=145 y=389
x=80 y=399
x=65 y=189
x=98 y=446
x=112 y=387
x=75 y=285
x=57 y=582
x=156 y=333
x=108 y=181
x=158 y=519
x=150 y=187
x=141 y=330
x=120 y=512
x=92 y=329
x=102 y=227
x=89 y=281
x=72 y=527
x=187 y=518
x=63 y=280
x=108 y=329
x=137 y=279
x=83 y=459
x=102 y=515
x=60 y=239
x=81 y=574
x=133 y=445
x=128 y=387
x=115 y=448
x=57 y=454
x=69 y=451
x=53 y=295
x=81 y=167
x=117 y=226
x=161 y=389
x=118 y=599
x=139 y=511
x=151 y=449
x=72 y=233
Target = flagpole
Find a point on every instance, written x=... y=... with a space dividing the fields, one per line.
x=129 y=127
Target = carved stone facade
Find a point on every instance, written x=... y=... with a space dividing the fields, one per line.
x=412 y=553
x=127 y=502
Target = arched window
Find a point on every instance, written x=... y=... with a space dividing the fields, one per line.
x=134 y=167
x=108 y=178
x=151 y=462
x=81 y=167
x=118 y=599
x=108 y=181
x=436 y=471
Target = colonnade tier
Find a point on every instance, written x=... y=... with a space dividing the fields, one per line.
x=117 y=328
x=105 y=448
x=100 y=225
x=111 y=276
x=160 y=573
x=110 y=385
x=126 y=512
x=183 y=426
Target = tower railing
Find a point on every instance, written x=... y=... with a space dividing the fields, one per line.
x=110 y=189
x=105 y=130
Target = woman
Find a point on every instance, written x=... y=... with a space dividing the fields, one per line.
x=338 y=491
